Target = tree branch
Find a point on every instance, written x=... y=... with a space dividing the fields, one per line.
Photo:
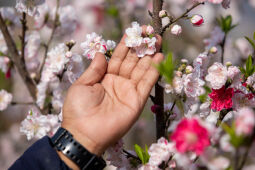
x=181 y=16
x=223 y=48
x=23 y=36
x=159 y=91
x=20 y=66
x=55 y=25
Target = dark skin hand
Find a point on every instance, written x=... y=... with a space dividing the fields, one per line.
x=104 y=103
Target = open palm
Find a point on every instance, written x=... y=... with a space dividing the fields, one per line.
x=103 y=104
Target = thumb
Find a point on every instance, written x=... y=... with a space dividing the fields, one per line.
x=95 y=72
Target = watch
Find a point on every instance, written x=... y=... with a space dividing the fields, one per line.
x=63 y=141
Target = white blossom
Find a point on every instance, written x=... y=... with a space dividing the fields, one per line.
x=28 y=6
x=56 y=58
x=5 y=99
x=110 y=45
x=36 y=125
x=176 y=30
x=147 y=47
x=244 y=121
x=116 y=157
x=134 y=35
x=4 y=64
x=93 y=43
x=217 y=75
x=3 y=46
x=160 y=151
x=193 y=86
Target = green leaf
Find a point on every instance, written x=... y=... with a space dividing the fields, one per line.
x=146 y=154
x=142 y=154
x=254 y=35
x=166 y=68
x=249 y=66
x=242 y=70
x=139 y=152
x=112 y=11
x=250 y=41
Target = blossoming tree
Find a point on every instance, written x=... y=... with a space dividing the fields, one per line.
x=209 y=123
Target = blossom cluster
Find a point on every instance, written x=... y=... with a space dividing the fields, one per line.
x=95 y=43
x=37 y=125
x=142 y=45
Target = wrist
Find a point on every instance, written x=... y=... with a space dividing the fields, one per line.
x=73 y=153
x=90 y=145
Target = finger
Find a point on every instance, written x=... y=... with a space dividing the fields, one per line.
x=95 y=71
x=142 y=66
x=128 y=64
x=131 y=60
x=118 y=56
x=149 y=79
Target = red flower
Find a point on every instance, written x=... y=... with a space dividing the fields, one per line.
x=222 y=98
x=190 y=136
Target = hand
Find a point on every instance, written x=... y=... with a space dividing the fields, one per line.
x=103 y=104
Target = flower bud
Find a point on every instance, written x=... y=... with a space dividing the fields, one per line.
x=162 y=13
x=197 y=20
x=149 y=30
x=176 y=30
x=213 y=50
x=155 y=108
x=228 y=64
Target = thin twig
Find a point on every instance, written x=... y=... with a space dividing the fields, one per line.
x=20 y=66
x=131 y=155
x=223 y=113
x=22 y=103
x=223 y=48
x=23 y=36
x=181 y=16
x=55 y=25
x=167 y=118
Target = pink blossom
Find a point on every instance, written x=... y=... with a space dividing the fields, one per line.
x=147 y=47
x=245 y=121
x=162 y=13
x=190 y=136
x=221 y=98
x=197 y=20
x=176 y=30
x=149 y=30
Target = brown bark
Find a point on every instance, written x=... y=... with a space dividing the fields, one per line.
x=15 y=57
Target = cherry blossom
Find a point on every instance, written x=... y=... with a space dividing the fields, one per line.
x=93 y=43
x=5 y=99
x=36 y=125
x=159 y=152
x=193 y=86
x=217 y=75
x=56 y=58
x=147 y=47
x=244 y=121
x=190 y=135
x=221 y=98
x=28 y=6
x=176 y=30
x=134 y=35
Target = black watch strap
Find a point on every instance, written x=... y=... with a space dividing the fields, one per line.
x=63 y=141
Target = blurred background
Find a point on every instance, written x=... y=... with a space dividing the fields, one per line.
x=110 y=18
